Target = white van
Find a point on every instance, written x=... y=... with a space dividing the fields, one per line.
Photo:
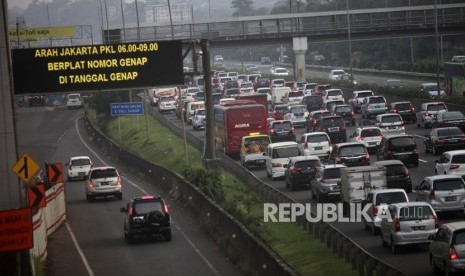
x=191 y=107
x=278 y=94
x=199 y=81
x=277 y=155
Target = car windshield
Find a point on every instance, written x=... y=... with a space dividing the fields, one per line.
x=364 y=94
x=298 y=111
x=449 y=131
x=458 y=159
x=279 y=82
x=405 y=143
x=455 y=115
x=403 y=106
x=307 y=164
x=169 y=99
x=280 y=109
x=73 y=96
x=436 y=107
x=332 y=173
x=377 y=100
x=390 y=198
x=415 y=213
x=331 y=122
x=246 y=85
x=448 y=184
x=339 y=72
x=262 y=79
x=285 y=152
x=371 y=132
x=142 y=208
x=392 y=170
x=283 y=125
x=268 y=91
x=334 y=93
x=80 y=162
x=352 y=150
x=391 y=119
x=317 y=138
x=458 y=237
x=431 y=87
x=343 y=109
x=296 y=94
x=329 y=105
x=104 y=173
x=200 y=112
x=321 y=114
x=314 y=99
x=230 y=92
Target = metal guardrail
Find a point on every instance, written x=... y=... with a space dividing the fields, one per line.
x=414 y=20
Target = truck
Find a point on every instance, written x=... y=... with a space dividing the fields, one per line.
x=156 y=93
x=258 y=98
x=357 y=182
x=252 y=148
x=454 y=78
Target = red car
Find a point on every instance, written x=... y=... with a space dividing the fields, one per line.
x=278 y=111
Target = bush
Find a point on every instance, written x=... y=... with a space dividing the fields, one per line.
x=207 y=181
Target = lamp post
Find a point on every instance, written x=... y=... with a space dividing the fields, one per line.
x=137 y=19
x=122 y=17
x=171 y=19
x=437 y=46
x=106 y=19
x=350 y=43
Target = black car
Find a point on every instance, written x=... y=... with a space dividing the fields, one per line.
x=405 y=109
x=281 y=130
x=146 y=216
x=350 y=154
x=444 y=138
x=401 y=147
x=397 y=175
x=313 y=117
x=450 y=119
x=36 y=100
x=313 y=102
x=299 y=171
x=346 y=112
x=334 y=126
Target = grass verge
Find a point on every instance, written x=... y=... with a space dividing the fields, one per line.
x=301 y=251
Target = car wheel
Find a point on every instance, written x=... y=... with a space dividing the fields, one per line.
x=383 y=242
x=434 y=268
x=167 y=235
x=394 y=248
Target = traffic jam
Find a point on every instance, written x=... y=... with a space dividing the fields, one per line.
x=319 y=143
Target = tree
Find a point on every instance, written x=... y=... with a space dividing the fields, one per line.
x=242 y=7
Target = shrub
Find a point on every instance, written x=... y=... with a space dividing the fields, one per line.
x=207 y=181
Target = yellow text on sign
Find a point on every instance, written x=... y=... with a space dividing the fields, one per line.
x=25 y=168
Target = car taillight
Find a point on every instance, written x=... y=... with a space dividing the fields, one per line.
x=397 y=225
x=440 y=141
x=91 y=184
x=292 y=129
x=306 y=145
x=375 y=211
x=323 y=180
x=131 y=211
x=352 y=113
x=406 y=172
x=272 y=131
x=432 y=194
x=338 y=159
x=359 y=138
x=276 y=165
x=394 y=110
x=91 y=165
x=118 y=182
x=436 y=222
x=427 y=114
x=296 y=170
x=368 y=106
x=413 y=109
x=165 y=209
x=452 y=253
x=415 y=151
x=454 y=167
x=463 y=139
x=314 y=121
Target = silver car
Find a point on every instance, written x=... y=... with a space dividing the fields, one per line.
x=447 y=248
x=443 y=192
x=408 y=223
x=102 y=182
x=324 y=185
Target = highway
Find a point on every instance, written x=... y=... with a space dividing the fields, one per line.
x=54 y=135
x=412 y=260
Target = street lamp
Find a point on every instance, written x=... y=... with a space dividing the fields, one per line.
x=137 y=18
x=350 y=43
x=171 y=19
x=437 y=46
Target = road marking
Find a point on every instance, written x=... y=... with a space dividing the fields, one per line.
x=192 y=244
x=78 y=248
x=421 y=160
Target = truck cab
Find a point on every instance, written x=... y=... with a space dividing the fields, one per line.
x=252 y=149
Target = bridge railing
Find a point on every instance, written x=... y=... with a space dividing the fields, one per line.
x=288 y=25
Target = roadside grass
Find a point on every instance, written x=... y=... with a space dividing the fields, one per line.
x=300 y=250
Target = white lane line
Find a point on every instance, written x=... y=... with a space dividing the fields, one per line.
x=421 y=160
x=78 y=248
x=196 y=249
x=419 y=136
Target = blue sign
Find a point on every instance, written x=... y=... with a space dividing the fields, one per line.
x=121 y=109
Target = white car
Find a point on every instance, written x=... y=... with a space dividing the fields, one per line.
x=198 y=122
x=219 y=58
x=332 y=95
x=74 y=101
x=390 y=124
x=277 y=155
x=315 y=143
x=336 y=74
x=280 y=72
x=79 y=167
x=166 y=104
x=277 y=82
x=103 y=182
x=225 y=100
x=246 y=87
x=369 y=136
x=267 y=91
x=296 y=114
x=451 y=162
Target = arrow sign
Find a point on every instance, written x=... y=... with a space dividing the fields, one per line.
x=55 y=173
x=36 y=195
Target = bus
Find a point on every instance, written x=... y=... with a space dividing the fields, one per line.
x=236 y=119
x=454 y=78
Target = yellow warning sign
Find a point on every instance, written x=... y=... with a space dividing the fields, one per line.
x=26 y=168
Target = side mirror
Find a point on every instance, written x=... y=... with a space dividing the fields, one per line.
x=123 y=210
